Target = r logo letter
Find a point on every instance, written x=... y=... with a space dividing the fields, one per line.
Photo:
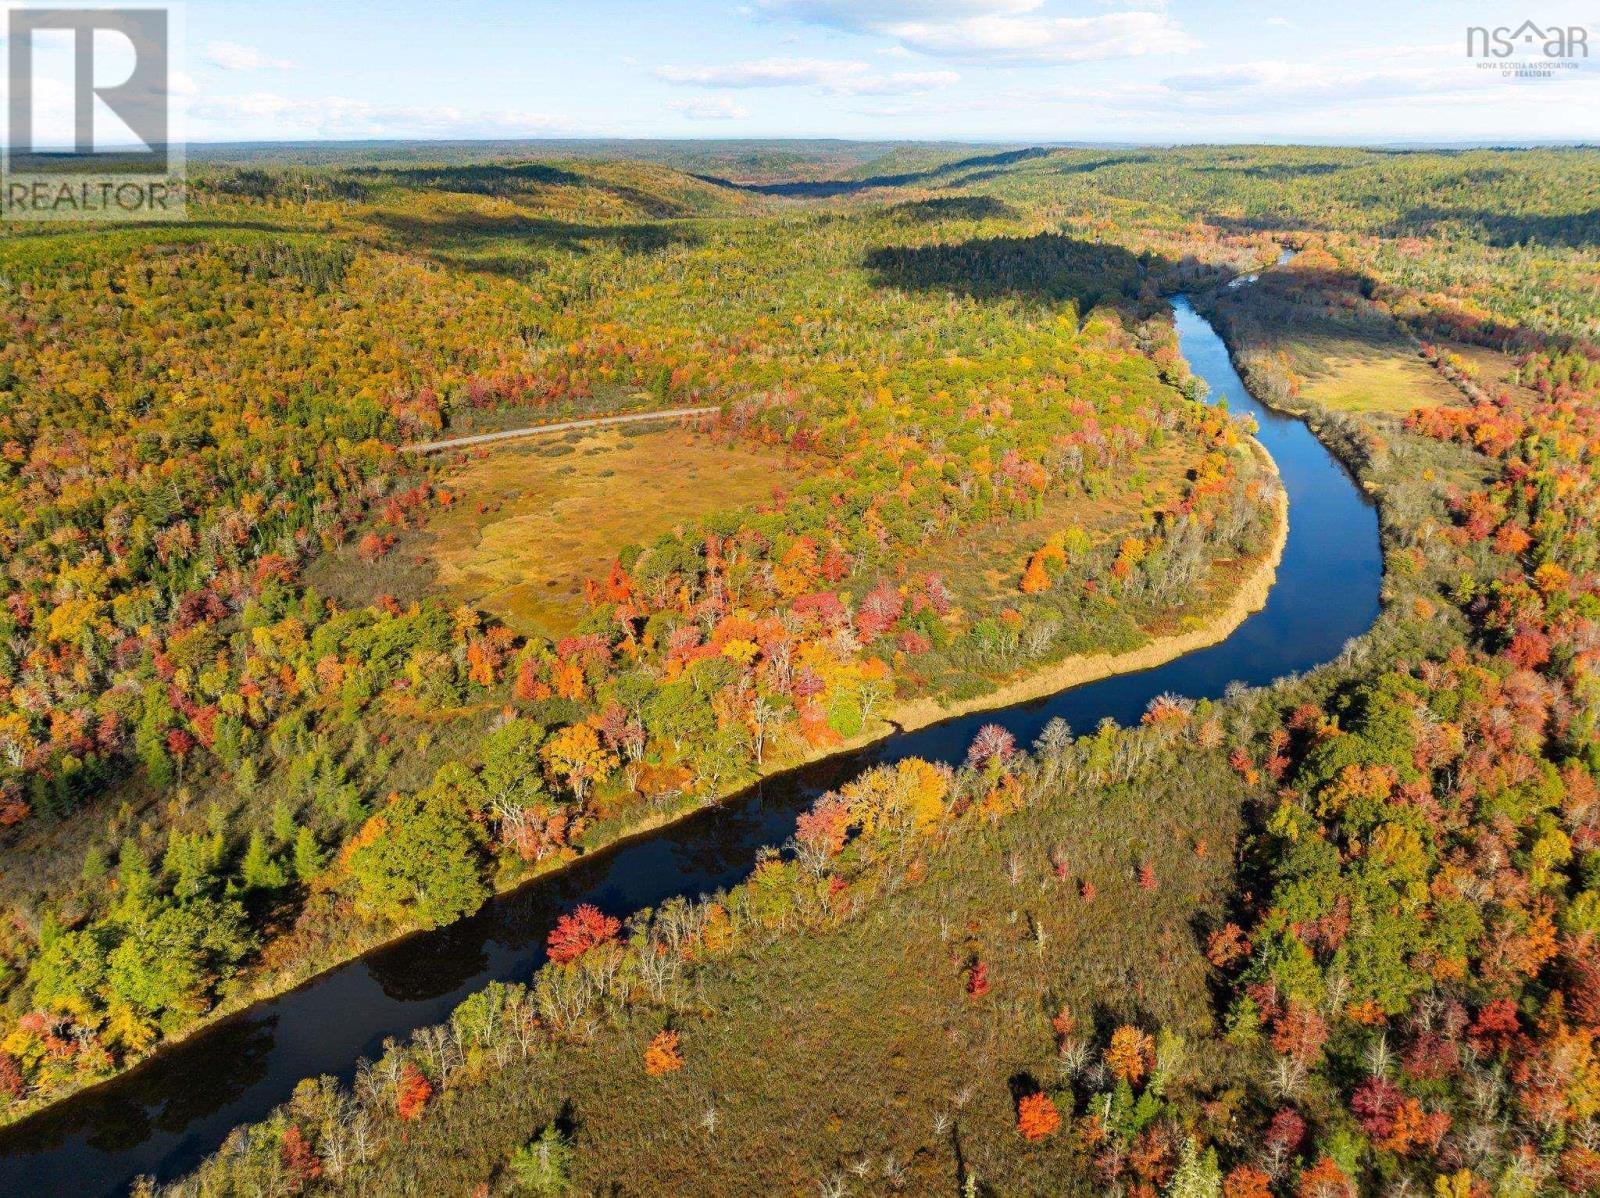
x=140 y=101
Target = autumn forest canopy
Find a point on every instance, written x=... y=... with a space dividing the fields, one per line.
x=275 y=689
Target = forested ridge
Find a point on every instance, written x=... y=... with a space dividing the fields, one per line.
x=1330 y=937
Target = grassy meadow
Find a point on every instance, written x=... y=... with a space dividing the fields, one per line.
x=530 y=521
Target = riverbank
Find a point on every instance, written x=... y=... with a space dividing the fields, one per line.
x=254 y=1057
x=1215 y=625
x=1248 y=597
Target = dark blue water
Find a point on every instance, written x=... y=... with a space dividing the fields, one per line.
x=164 y=1116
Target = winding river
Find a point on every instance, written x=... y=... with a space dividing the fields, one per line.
x=164 y=1116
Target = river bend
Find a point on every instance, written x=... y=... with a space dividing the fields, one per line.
x=165 y=1115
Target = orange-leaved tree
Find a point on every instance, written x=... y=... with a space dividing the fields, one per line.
x=661 y=1055
x=1131 y=1054
x=577 y=933
x=1037 y=1117
x=411 y=1093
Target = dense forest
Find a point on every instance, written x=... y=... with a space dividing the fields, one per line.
x=210 y=707
x=1329 y=937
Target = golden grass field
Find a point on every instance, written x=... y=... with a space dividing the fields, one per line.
x=532 y=521
x=1353 y=374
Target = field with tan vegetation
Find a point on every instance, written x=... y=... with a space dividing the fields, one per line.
x=527 y=523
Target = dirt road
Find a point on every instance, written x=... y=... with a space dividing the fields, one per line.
x=560 y=427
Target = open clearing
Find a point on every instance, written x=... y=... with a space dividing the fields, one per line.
x=1349 y=373
x=532 y=522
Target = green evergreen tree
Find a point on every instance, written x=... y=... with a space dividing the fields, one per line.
x=247 y=777
x=94 y=866
x=133 y=874
x=190 y=862
x=282 y=821
x=259 y=870
x=307 y=857
x=150 y=739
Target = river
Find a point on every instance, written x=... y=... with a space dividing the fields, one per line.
x=162 y=1117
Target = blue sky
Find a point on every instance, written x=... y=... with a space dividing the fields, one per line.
x=1001 y=70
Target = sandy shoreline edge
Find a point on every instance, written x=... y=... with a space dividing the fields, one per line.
x=1249 y=598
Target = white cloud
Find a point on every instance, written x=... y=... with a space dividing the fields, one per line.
x=902 y=83
x=768 y=72
x=708 y=108
x=54 y=108
x=1389 y=97
x=1010 y=31
x=268 y=115
x=1047 y=39
x=231 y=56
x=837 y=76
x=862 y=15
x=1279 y=82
